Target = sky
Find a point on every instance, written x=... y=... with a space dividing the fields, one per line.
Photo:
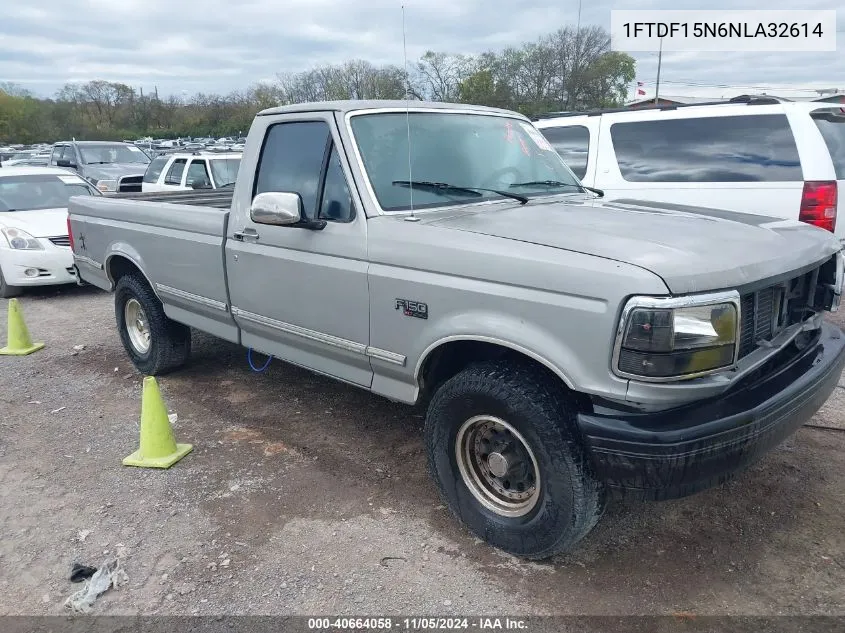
x=182 y=47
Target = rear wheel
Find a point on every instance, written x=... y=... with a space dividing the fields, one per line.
x=506 y=456
x=155 y=343
x=7 y=291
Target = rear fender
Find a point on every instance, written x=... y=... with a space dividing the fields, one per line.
x=126 y=251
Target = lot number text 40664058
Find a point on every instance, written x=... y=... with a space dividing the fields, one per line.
x=426 y=623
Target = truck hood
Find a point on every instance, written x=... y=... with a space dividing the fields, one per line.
x=693 y=249
x=40 y=223
x=113 y=171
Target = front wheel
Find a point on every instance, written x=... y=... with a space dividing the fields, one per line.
x=7 y=291
x=504 y=451
x=155 y=343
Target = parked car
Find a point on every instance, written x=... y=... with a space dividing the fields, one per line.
x=759 y=156
x=37 y=160
x=34 y=243
x=566 y=347
x=198 y=170
x=25 y=158
x=109 y=166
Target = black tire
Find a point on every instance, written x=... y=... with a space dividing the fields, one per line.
x=7 y=291
x=569 y=500
x=170 y=342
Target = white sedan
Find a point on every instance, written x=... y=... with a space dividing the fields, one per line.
x=34 y=243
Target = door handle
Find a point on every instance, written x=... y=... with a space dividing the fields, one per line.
x=246 y=235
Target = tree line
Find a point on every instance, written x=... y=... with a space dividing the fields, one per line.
x=570 y=69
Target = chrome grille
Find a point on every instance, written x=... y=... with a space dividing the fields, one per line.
x=763 y=314
x=768 y=310
x=746 y=332
x=60 y=240
x=130 y=184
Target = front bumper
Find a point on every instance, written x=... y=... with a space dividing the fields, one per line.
x=53 y=265
x=677 y=452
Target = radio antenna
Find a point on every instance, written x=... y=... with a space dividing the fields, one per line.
x=412 y=217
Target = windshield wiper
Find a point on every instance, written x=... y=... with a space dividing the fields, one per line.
x=99 y=162
x=558 y=183
x=545 y=183
x=446 y=188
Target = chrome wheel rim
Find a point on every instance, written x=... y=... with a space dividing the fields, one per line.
x=498 y=466
x=137 y=326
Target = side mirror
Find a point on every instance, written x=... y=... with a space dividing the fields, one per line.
x=63 y=162
x=277 y=208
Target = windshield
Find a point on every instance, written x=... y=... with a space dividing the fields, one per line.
x=112 y=153
x=463 y=150
x=224 y=170
x=43 y=191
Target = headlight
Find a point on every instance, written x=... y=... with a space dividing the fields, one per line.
x=106 y=185
x=21 y=240
x=670 y=339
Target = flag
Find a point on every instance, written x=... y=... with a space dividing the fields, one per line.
x=640 y=89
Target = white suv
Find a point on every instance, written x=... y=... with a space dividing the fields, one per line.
x=199 y=170
x=759 y=156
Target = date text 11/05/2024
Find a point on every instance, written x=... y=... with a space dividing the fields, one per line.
x=418 y=624
x=723 y=29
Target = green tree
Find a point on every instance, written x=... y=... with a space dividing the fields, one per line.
x=482 y=88
x=607 y=80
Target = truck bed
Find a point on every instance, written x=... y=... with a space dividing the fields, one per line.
x=216 y=198
x=175 y=238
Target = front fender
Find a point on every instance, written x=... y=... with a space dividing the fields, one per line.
x=506 y=331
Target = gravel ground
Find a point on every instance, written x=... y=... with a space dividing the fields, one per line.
x=306 y=496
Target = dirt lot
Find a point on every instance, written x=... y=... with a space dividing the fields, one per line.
x=303 y=495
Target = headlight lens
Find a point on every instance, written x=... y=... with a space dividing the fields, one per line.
x=664 y=343
x=21 y=240
x=106 y=185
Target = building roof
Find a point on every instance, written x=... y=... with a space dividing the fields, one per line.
x=669 y=99
x=364 y=104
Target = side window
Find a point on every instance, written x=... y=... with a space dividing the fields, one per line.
x=336 y=203
x=174 y=175
x=154 y=169
x=832 y=127
x=292 y=160
x=750 y=148
x=69 y=154
x=572 y=142
x=57 y=154
x=198 y=175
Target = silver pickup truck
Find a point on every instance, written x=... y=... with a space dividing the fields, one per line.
x=568 y=348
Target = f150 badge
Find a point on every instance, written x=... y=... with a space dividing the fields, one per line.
x=410 y=308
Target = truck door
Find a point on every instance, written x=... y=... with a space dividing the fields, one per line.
x=298 y=293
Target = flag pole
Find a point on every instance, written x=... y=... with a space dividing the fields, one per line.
x=659 y=60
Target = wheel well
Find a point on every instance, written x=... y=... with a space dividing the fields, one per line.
x=450 y=358
x=119 y=266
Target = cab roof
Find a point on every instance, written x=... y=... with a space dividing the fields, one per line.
x=371 y=104
x=202 y=154
x=91 y=143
